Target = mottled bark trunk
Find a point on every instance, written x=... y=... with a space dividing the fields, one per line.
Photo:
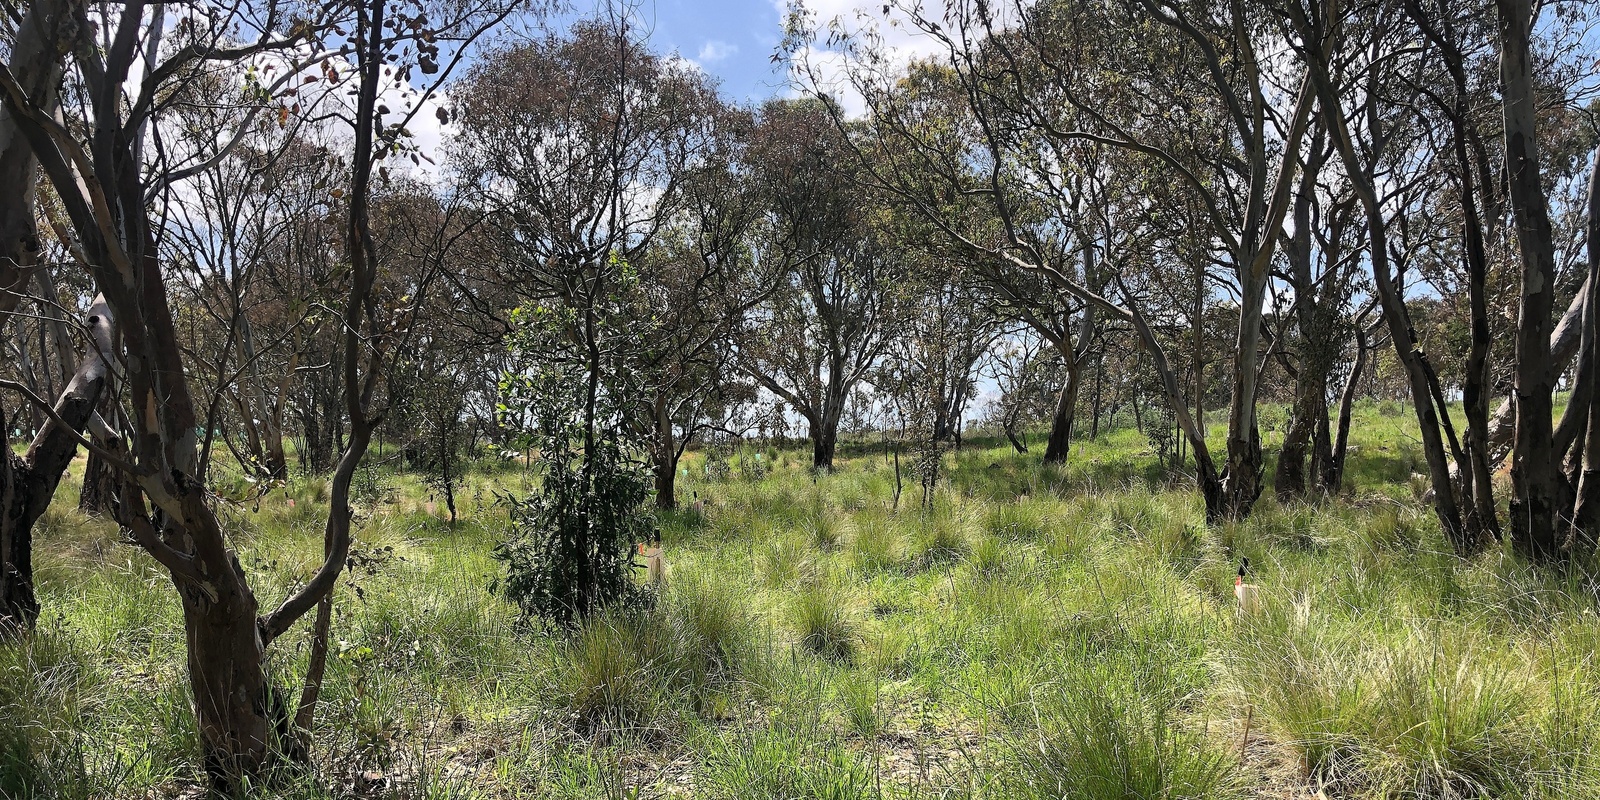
x=1099 y=374
x=1315 y=308
x=19 y=608
x=28 y=483
x=1269 y=204
x=666 y=458
x=1470 y=173
x=233 y=702
x=1289 y=480
x=35 y=61
x=100 y=478
x=1536 y=482
x=1061 y=422
x=1241 y=476
x=824 y=441
x=1584 y=531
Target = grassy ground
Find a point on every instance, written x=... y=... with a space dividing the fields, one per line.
x=1036 y=633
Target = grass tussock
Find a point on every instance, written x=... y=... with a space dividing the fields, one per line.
x=1033 y=632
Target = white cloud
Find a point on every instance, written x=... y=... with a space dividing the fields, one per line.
x=900 y=40
x=715 y=50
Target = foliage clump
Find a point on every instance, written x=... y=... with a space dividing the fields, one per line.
x=569 y=552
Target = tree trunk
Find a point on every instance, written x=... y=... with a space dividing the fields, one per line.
x=1333 y=475
x=1241 y=477
x=666 y=458
x=100 y=478
x=1060 y=441
x=28 y=483
x=1289 y=480
x=1584 y=532
x=35 y=61
x=1010 y=430
x=1475 y=388
x=227 y=673
x=1536 y=482
x=1314 y=309
x=1099 y=370
x=824 y=441
x=1564 y=342
x=1321 y=451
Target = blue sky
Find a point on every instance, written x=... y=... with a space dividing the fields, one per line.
x=730 y=39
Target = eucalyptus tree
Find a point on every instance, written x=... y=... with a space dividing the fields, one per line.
x=96 y=165
x=1207 y=66
x=1366 y=76
x=44 y=33
x=930 y=368
x=579 y=174
x=698 y=284
x=251 y=300
x=1028 y=83
x=1323 y=262
x=1555 y=471
x=832 y=308
x=1458 y=38
x=1357 y=98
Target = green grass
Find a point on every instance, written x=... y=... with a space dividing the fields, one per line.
x=1035 y=633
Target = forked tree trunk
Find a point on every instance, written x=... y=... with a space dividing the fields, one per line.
x=1395 y=314
x=1241 y=482
x=28 y=483
x=1241 y=476
x=1076 y=356
x=1315 y=306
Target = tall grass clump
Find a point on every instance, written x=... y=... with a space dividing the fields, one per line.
x=632 y=670
x=824 y=624
x=822 y=528
x=1111 y=727
x=1015 y=521
x=1433 y=710
x=875 y=547
x=786 y=761
x=940 y=537
x=41 y=739
x=715 y=628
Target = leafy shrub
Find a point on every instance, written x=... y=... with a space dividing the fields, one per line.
x=570 y=549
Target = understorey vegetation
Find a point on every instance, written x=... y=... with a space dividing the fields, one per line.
x=1025 y=398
